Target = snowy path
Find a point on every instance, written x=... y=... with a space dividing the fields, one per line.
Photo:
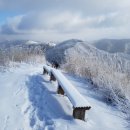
x=13 y=95
x=29 y=102
x=10 y=100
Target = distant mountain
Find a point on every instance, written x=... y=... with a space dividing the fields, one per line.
x=113 y=45
x=59 y=52
x=25 y=44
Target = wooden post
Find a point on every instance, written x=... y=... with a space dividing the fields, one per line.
x=52 y=77
x=79 y=113
x=60 y=90
x=44 y=71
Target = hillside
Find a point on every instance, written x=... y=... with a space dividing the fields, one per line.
x=22 y=51
x=25 y=44
x=58 y=52
x=30 y=99
x=109 y=73
x=29 y=102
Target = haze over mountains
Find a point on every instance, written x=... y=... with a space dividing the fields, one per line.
x=113 y=45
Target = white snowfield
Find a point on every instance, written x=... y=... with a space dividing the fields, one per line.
x=28 y=101
x=74 y=96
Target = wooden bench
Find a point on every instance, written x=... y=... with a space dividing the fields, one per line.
x=80 y=104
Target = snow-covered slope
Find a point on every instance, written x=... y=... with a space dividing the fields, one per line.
x=110 y=73
x=60 y=52
x=81 y=54
x=21 y=51
x=29 y=102
x=57 y=53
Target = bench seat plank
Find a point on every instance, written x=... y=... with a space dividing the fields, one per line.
x=77 y=100
x=47 y=68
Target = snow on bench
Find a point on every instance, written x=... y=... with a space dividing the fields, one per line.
x=80 y=104
x=46 y=69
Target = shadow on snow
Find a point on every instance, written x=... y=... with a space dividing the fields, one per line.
x=44 y=101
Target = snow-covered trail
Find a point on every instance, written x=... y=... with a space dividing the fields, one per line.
x=13 y=95
x=29 y=102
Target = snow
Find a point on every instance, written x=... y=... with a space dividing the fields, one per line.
x=31 y=42
x=29 y=102
x=75 y=97
x=48 y=68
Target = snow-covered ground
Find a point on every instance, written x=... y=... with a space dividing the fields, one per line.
x=28 y=101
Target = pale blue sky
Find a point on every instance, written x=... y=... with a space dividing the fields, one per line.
x=64 y=19
x=4 y=15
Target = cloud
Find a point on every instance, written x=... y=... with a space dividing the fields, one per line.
x=86 y=6
x=33 y=22
x=63 y=19
x=10 y=26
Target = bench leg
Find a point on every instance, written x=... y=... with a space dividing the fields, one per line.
x=44 y=71
x=79 y=113
x=52 y=77
x=60 y=90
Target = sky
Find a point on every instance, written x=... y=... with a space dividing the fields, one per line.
x=64 y=19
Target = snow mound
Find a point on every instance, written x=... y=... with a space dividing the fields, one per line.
x=31 y=42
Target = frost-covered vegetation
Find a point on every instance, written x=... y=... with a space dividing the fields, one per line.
x=109 y=73
x=21 y=51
